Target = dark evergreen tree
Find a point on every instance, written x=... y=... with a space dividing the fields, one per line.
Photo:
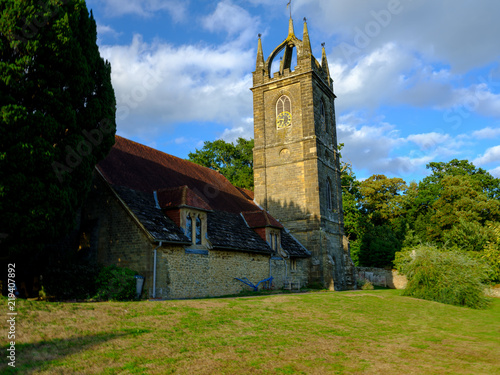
x=57 y=118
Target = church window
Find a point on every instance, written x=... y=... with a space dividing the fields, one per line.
x=283 y=112
x=328 y=195
x=189 y=228
x=293 y=264
x=198 y=231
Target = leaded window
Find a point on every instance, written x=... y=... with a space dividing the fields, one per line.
x=189 y=228
x=198 y=231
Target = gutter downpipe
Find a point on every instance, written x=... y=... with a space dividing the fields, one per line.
x=154 y=269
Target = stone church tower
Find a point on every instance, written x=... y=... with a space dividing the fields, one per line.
x=296 y=165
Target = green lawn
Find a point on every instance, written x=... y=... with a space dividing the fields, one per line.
x=361 y=332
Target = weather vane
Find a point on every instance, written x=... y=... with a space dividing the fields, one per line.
x=289 y=5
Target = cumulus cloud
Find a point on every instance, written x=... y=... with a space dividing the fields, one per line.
x=374 y=146
x=495 y=172
x=491 y=155
x=163 y=84
x=487 y=133
x=106 y=30
x=232 y=19
x=146 y=8
x=462 y=35
x=428 y=140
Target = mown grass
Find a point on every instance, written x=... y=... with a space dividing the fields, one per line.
x=363 y=332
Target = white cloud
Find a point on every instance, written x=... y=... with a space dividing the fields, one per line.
x=165 y=85
x=428 y=140
x=245 y=130
x=146 y=8
x=486 y=133
x=232 y=19
x=495 y=172
x=106 y=30
x=462 y=34
x=490 y=156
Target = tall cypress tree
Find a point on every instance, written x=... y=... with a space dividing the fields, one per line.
x=57 y=118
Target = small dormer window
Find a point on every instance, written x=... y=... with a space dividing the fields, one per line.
x=195 y=224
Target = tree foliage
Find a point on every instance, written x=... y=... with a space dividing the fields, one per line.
x=57 y=117
x=234 y=161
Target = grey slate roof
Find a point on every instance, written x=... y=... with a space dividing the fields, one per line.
x=292 y=247
x=143 y=206
x=229 y=231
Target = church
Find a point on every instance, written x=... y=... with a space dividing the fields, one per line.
x=192 y=234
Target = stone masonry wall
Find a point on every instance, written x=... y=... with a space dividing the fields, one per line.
x=382 y=277
x=120 y=240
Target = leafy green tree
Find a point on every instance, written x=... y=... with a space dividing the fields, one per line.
x=382 y=198
x=234 y=161
x=57 y=117
x=454 y=189
x=381 y=225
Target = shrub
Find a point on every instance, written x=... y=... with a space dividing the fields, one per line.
x=116 y=283
x=367 y=285
x=447 y=276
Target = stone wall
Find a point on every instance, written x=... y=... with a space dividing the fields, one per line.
x=382 y=277
x=119 y=240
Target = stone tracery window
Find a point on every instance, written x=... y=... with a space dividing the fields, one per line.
x=283 y=105
x=283 y=112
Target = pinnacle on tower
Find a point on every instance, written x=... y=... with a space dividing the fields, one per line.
x=306 y=43
x=260 y=56
x=324 y=62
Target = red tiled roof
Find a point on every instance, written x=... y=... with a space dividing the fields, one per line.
x=142 y=168
x=180 y=196
x=247 y=193
x=259 y=219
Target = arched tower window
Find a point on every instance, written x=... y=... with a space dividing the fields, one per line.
x=329 y=195
x=198 y=231
x=283 y=112
x=189 y=228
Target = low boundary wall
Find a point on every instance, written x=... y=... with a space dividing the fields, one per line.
x=382 y=277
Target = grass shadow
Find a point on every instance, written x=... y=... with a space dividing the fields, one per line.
x=41 y=355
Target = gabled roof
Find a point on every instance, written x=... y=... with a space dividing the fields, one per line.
x=136 y=173
x=260 y=219
x=142 y=205
x=180 y=196
x=143 y=168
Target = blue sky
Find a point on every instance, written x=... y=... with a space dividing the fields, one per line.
x=416 y=80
